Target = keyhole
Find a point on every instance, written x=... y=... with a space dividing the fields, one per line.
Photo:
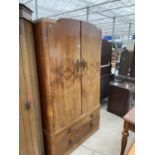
x=27 y=105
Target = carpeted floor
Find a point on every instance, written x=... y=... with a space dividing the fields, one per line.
x=107 y=140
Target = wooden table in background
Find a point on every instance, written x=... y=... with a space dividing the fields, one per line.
x=129 y=124
x=120 y=96
x=131 y=150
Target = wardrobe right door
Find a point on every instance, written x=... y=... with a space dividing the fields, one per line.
x=91 y=58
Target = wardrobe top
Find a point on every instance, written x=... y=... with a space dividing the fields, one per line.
x=25 y=12
x=60 y=20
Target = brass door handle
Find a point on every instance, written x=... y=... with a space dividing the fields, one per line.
x=70 y=141
x=77 y=65
x=83 y=64
x=80 y=64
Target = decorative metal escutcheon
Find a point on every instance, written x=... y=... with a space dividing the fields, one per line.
x=84 y=64
x=27 y=105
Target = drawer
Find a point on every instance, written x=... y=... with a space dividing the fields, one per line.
x=67 y=144
x=72 y=128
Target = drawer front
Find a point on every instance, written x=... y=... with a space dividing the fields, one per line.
x=77 y=124
x=67 y=144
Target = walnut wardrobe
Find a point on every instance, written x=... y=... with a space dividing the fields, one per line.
x=68 y=58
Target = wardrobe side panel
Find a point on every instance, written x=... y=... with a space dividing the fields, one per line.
x=42 y=54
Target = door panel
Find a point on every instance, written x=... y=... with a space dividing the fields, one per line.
x=23 y=150
x=64 y=50
x=91 y=55
x=31 y=81
x=25 y=139
x=31 y=140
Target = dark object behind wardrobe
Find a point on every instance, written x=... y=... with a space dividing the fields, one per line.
x=106 y=75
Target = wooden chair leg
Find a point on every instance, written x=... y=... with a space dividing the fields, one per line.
x=125 y=135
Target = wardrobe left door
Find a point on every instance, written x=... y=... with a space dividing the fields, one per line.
x=65 y=71
x=30 y=135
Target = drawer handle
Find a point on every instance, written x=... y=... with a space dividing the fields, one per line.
x=91 y=115
x=91 y=124
x=70 y=141
x=83 y=64
x=77 y=65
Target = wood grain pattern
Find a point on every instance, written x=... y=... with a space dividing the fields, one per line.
x=77 y=124
x=25 y=146
x=60 y=65
x=42 y=55
x=28 y=77
x=23 y=149
x=57 y=50
x=64 y=50
x=53 y=140
x=79 y=136
x=91 y=53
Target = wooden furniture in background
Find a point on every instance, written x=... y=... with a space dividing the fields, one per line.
x=124 y=78
x=125 y=62
x=131 y=151
x=68 y=56
x=106 y=53
x=129 y=124
x=106 y=75
x=121 y=94
x=30 y=125
x=132 y=71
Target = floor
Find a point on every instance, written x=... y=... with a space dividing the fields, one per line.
x=107 y=140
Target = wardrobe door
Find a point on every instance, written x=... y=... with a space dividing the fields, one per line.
x=30 y=113
x=25 y=143
x=91 y=56
x=64 y=55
